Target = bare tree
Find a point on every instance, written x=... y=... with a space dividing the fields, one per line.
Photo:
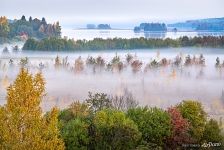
x=124 y=102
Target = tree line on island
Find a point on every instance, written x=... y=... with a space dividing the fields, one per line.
x=63 y=44
x=210 y=24
x=22 y=29
x=99 y=26
x=151 y=27
x=101 y=122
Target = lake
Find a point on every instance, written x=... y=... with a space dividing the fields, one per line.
x=80 y=34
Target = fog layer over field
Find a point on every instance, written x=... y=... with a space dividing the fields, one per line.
x=162 y=86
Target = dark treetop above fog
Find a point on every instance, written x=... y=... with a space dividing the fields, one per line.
x=59 y=44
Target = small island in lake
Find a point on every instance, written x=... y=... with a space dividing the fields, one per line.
x=147 y=27
x=99 y=26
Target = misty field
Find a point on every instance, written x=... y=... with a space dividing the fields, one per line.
x=153 y=77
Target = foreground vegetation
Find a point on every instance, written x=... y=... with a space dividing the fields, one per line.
x=58 y=44
x=101 y=122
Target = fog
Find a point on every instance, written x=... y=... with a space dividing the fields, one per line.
x=162 y=86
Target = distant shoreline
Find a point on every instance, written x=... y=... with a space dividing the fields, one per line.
x=113 y=29
x=102 y=29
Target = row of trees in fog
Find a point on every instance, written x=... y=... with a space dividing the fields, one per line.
x=100 y=122
x=117 y=64
x=59 y=44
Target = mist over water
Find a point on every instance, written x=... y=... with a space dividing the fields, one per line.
x=162 y=87
x=80 y=34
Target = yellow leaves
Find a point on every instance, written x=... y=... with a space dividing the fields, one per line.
x=4 y=26
x=3 y=20
x=22 y=125
x=39 y=84
x=22 y=94
x=111 y=118
x=101 y=119
x=79 y=110
x=51 y=132
x=118 y=118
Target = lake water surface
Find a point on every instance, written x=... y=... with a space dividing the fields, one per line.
x=78 y=34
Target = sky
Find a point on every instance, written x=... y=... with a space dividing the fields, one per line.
x=122 y=12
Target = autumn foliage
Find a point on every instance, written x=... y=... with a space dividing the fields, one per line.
x=179 y=129
x=98 y=123
x=22 y=124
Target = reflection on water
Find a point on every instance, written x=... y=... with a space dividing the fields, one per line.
x=156 y=35
x=91 y=34
x=210 y=33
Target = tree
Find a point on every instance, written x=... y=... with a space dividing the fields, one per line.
x=34 y=28
x=114 y=130
x=31 y=44
x=4 y=27
x=185 y=41
x=30 y=19
x=124 y=102
x=129 y=58
x=23 y=18
x=153 y=123
x=98 y=102
x=75 y=126
x=54 y=43
x=196 y=116
x=58 y=29
x=212 y=132
x=103 y=26
x=2 y=117
x=22 y=123
x=79 y=65
x=136 y=65
x=75 y=134
x=179 y=130
x=24 y=62
x=76 y=110
x=43 y=21
x=57 y=62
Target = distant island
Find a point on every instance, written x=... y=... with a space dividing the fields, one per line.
x=99 y=26
x=23 y=29
x=146 y=27
x=210 y=24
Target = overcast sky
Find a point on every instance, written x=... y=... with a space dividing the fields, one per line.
x=112 y=11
